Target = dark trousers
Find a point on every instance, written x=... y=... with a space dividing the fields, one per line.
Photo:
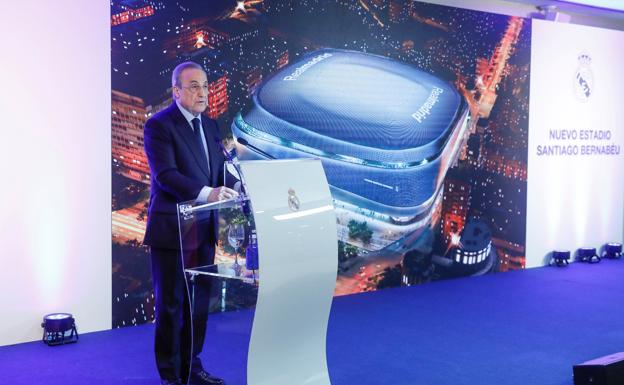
x=179 y=338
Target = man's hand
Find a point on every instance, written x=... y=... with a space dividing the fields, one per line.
x=221 y=193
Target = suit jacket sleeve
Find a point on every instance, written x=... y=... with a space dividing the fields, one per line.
x=161 y=156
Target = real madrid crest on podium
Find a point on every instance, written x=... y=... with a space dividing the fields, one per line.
x=583 y=78
x=293 y=200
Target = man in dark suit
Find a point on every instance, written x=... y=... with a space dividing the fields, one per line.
x=186 y=163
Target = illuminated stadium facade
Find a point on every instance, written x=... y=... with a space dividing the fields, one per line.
x=385 y=131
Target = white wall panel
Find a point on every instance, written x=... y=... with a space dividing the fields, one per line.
x=574 y=200
x=55 y=244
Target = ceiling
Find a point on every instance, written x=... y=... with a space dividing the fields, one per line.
x=581 y=14
x=571 y=13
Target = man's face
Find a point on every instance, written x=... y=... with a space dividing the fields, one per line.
x=192 y=93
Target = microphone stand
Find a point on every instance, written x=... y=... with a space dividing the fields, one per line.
x=251 y=240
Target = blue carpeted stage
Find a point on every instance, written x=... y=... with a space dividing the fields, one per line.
x=520 y=328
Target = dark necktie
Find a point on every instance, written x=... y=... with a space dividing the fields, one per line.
x=198 y=138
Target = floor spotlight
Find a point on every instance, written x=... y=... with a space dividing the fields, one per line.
x=612 y=250
x=588 y=254
x=560 y=257
x=59 y=329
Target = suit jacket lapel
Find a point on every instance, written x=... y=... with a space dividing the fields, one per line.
x=185 y=130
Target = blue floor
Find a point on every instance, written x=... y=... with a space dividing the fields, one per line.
x=519 y=328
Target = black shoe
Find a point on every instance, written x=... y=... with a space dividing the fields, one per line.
x=168 y=382
x=201 y=377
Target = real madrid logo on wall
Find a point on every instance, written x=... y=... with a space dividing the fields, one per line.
x=293 y=200
x=583 y=78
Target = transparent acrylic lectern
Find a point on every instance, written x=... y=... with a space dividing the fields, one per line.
x=277 y=241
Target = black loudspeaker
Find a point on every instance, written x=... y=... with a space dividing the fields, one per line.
x=607 y=370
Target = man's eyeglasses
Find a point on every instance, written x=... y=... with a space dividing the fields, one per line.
x=196 y=87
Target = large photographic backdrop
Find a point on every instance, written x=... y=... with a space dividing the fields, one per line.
x=419 y=113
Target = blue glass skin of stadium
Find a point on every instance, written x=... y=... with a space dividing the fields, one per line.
x=354 y=111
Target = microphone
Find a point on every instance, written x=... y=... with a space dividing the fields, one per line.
x=244 y=142
x=229 y=158
x=226 y=153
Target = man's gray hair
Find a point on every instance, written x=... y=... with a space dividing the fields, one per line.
x=175 y=75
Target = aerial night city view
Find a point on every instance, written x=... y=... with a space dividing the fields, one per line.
x=419 y=113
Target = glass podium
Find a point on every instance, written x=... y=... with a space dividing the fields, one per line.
x=272 y=249
x=230 y=224
x=234 y=229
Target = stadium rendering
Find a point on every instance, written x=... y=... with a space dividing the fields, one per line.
x=385 y=131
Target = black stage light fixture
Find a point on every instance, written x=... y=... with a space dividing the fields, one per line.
x=59 y=329
x=588 y=254
x=612 y=250
x=560 y=257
